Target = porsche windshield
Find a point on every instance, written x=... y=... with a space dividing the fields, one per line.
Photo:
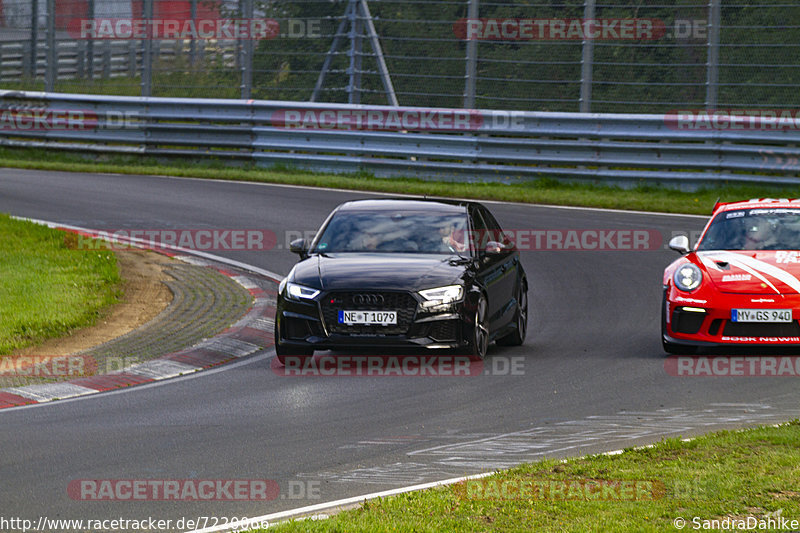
x=753 y=229
x=394 y=232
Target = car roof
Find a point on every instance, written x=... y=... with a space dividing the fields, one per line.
x=407 y=204
x=758 y=203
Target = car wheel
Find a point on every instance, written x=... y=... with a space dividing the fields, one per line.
x=480 y=330
x=671 y=347
x=517 y=337
x=282 y=351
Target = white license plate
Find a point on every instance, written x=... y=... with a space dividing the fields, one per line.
x=761 y=315
x=369 y=318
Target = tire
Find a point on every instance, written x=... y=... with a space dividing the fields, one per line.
x=479 y=344
x=517 y=337
x=282 y=351
x=671 y=347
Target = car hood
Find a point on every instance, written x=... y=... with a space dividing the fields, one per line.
x=753 y=272
x=380 y=271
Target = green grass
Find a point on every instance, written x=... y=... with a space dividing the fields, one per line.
x=735 y=474
x=47 y=287
x=644 y=197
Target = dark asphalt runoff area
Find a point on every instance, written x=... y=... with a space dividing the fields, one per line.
x=591 y=376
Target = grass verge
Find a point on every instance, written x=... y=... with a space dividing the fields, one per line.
x=644 y=197
x=749 y=475
x=49 y=288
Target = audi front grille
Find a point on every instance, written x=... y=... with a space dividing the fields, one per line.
x=402 y=302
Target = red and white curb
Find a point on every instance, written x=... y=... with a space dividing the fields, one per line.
x=250 y=334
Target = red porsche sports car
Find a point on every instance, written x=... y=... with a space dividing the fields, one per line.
x=740 y=286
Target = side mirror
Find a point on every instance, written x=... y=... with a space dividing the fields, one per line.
x=494 y=248
x=298 y=246
x=680 y=243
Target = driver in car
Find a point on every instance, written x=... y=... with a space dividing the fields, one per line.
x=453 y=239
x=759 y=235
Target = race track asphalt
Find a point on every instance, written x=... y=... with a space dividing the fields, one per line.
x=590 y=377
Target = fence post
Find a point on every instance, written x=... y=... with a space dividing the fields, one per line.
x=26 y=58
x=132 y=59
x=90 y=45
x=201 y=50
x=51 y=66
x=147 y=52
x=472 y=58
x=246 y=51
x=193 y=42
x=587 y=58
x=80 y=59
x=354 y=87
x=383 y=70
x=712 y=64
x=30 y=69
x=106 y=60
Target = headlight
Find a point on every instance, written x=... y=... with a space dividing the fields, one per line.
x=688 y=277
x=441 y=295
x=299 y=292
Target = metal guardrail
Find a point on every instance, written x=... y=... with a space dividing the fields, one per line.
x=449 y=144
x=84 y=60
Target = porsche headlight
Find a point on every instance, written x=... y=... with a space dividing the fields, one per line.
x=299 y=292
x=688 y=277
x=441 y=296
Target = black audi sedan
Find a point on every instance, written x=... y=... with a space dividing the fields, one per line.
x=391 y=273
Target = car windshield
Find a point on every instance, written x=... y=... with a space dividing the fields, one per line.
x=394 y=232
x=753 y=229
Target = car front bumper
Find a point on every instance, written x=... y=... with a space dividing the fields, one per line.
x=708 y=322
x=304 y=324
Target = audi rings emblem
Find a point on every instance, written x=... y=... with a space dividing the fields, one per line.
x=368 y=299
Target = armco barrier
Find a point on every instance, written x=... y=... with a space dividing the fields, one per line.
x=451 y=144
